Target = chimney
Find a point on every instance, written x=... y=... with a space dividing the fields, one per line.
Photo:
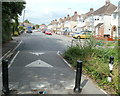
x=107 y=2
x=68 y=15
x=75 y=12
x=91 y=9
x=64 y=17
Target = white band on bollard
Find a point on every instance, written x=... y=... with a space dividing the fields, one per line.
x=111 y=66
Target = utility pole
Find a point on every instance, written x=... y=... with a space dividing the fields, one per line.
x=23 y=16
x=70 y=19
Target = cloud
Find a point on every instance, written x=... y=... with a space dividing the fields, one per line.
x=42 y=11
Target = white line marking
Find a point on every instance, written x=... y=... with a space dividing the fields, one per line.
x=17 y=45
x=58 y=53
x=9 y=51
x=104 y=92
x=13 y=59
x=8 y=55
x=67 y=63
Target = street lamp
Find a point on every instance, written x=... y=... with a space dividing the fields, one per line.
x=70 y=11
x=70 y=18
x=23 y=16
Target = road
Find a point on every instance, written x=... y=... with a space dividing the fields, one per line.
x=37 y=66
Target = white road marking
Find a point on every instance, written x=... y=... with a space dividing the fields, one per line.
x=13 y=59
x=37 y=53
x=58 y=53
x=9 y=52
x=38 y=63
x=17 y=46
x=11 y=62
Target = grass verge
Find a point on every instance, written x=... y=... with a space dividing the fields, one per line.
x=96 y=64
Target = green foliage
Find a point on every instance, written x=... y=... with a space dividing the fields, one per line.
x=26 y=21
x=95 y=62
x=37 y=26
x=10 y=10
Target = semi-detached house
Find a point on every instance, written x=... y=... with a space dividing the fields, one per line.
x=100 y=22
x=102 y=19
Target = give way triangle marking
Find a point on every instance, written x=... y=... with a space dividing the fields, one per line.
x=38 y=63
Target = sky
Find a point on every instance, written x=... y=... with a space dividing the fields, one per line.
x=44 y=11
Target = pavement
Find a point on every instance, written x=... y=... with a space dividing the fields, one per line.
x=5 y=53
x=86 y=82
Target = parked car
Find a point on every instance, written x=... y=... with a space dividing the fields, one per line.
x=48 y=32
x=43 y=30
x=82 y=34
x=29 y=31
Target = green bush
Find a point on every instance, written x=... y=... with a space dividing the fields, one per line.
x=95 y=62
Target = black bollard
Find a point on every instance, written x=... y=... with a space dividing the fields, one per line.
x=5 y=80
x=77 y=88
x=111 y=60
x=111 y=63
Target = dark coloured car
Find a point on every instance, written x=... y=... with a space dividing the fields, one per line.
x=29 y=31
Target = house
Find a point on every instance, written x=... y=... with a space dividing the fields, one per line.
x=54 y=24
x=102 y=19
x=98 y=21
x=114 y=24
x=74 y=21
x=67 y=22
x=87 y=20
x=119 y=20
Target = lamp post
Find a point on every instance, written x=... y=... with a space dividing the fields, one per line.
x=70 y=18
x=23 y=16
x=70 y=11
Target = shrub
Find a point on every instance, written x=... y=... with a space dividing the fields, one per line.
x=95 y=62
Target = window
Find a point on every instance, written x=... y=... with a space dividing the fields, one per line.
x=114 y=16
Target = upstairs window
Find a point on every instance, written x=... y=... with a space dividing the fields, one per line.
x=114 y=16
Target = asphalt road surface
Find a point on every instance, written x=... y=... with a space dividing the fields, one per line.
x=37 y=66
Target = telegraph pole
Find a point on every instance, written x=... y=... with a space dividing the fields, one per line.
x=23 y=16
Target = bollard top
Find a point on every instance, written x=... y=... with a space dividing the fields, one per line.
x=79 y=64
x=111 y=59
x=4 y=61
x=79 y=61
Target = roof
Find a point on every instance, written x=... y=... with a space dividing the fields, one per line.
x=75 y=17
x=105 y=10
x=88 y=13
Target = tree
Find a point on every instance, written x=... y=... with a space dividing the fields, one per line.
x=37 y=26
x=10 y=11
x=26 y=21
